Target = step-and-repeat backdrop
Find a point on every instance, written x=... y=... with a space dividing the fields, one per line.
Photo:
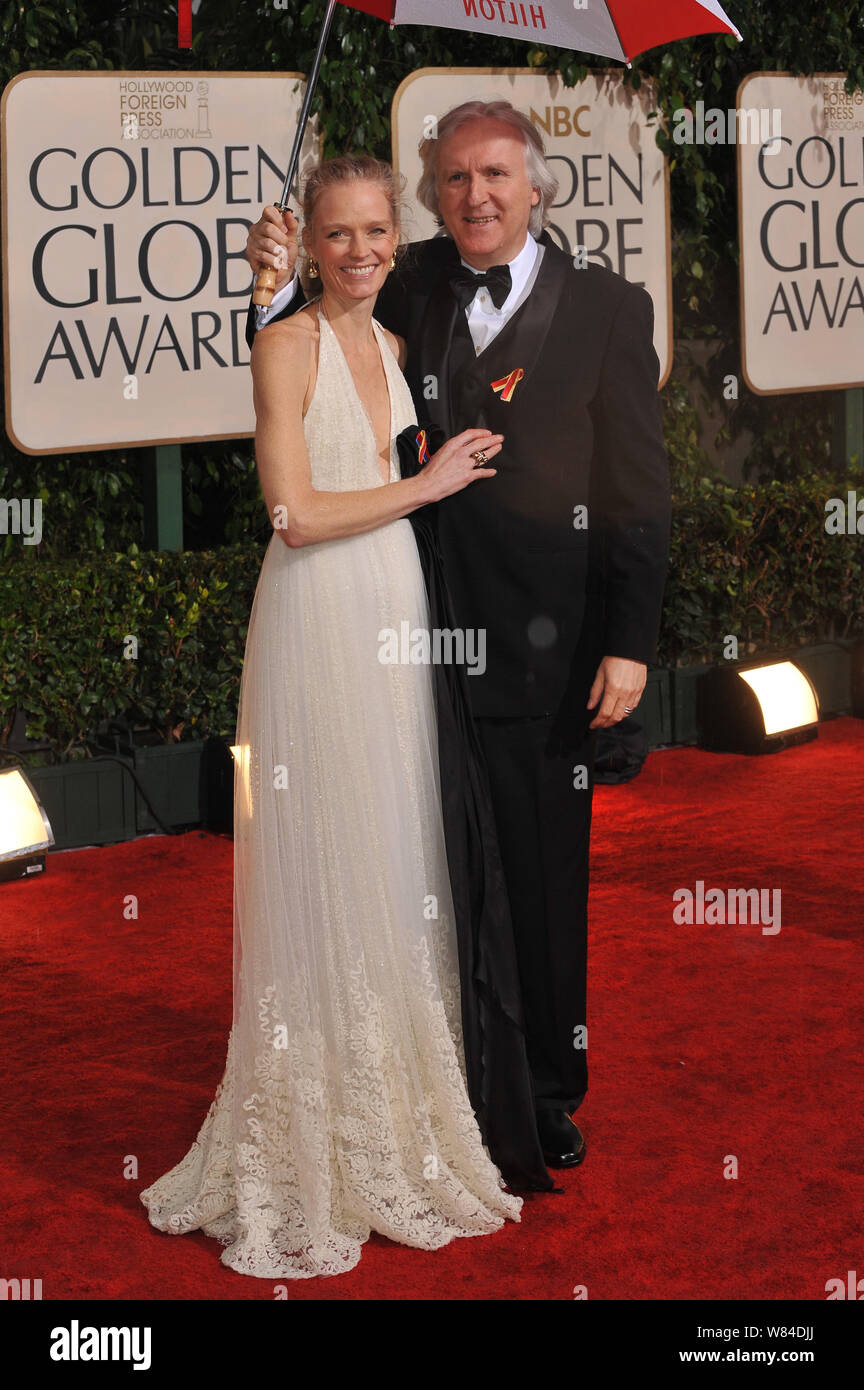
x=801 y=230
x=126 y=202
x=125 y=286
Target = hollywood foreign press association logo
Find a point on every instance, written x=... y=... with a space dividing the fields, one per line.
x=843 y=110
x=164 y=108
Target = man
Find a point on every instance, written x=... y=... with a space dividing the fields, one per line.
x=561 y=558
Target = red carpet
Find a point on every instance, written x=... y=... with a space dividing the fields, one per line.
x=705 y=1041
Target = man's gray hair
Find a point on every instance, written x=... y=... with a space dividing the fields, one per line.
x=540 y=175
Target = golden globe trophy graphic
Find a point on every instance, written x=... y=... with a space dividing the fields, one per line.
x=203 y=132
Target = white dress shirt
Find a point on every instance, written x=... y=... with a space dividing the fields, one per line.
x=484 y=320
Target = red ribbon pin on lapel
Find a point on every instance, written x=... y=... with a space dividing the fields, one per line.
x=507 y=384
x=422 y=448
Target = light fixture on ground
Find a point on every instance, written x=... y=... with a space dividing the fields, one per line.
x=25 y=832
x=758 y=707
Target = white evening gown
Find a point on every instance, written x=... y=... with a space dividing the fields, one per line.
x=343 y=1107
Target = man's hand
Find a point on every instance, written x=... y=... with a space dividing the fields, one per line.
x=620 y=682
x=272 y=242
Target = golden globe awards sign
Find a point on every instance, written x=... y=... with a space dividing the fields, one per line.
x=613 y=197
x=801 y=211
x=126 y=201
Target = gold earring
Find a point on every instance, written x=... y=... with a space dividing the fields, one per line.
x=313 y=268
x=393 y=261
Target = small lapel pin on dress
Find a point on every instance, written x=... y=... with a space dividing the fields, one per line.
x=507 y=384
x=422 y=447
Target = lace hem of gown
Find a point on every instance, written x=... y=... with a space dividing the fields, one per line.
x=346 y=1148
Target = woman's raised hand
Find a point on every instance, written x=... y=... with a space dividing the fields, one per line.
x=453 y=467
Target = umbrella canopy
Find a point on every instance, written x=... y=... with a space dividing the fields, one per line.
x=611 y=28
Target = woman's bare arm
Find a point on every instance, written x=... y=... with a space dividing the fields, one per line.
x=283 y=364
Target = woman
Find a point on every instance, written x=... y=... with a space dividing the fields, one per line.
x=343 y=1107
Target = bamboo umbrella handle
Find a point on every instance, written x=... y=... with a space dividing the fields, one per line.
x=265 y=287
x=265 y=280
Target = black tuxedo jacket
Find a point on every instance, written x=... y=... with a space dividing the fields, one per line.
x=562 y=556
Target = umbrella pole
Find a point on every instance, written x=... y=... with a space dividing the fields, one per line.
x=265 y=281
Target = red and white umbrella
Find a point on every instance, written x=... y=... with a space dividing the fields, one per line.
x=610 y=28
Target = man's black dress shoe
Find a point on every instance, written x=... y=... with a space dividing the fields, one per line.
x=561 y=1140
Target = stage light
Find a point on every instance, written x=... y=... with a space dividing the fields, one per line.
x=785 y=695
x=757 y=709
x=25 y=832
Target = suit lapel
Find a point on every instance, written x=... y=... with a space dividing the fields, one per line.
x=523 y=336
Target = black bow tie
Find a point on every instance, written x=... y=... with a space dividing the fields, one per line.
x=465 y=283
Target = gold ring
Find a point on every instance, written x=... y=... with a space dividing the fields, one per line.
x=482 y=458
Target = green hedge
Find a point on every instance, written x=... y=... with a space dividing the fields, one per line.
x=752 y=561
x=756 y=562
x=63 y=662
